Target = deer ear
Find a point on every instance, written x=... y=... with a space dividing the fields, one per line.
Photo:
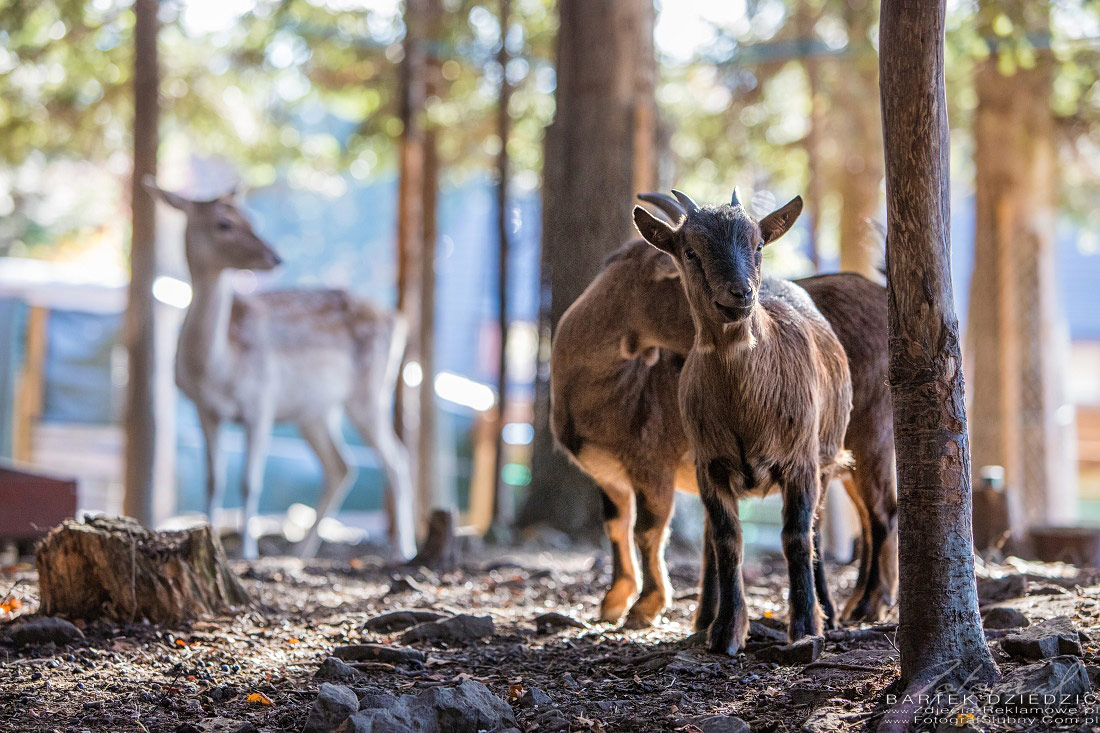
x=653 y=230
x=776 y=224
x=172 y=199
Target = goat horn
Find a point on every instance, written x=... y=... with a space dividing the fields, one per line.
x=665 y=203
x=736 y=200
x=685 y=201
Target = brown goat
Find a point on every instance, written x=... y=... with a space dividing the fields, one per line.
x=615 y=368
x=765 y=395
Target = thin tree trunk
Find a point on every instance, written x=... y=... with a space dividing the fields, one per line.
x=861 y=160
x=940 y=633
x=595 y=159
x=504 y=509
x=1013 y=328
x=428 y=489
x=140 y=417
x=410 y=232
x=814 y=199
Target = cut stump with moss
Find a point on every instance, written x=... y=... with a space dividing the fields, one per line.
x=115 y=568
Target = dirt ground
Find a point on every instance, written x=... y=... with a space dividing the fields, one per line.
x=203 y=677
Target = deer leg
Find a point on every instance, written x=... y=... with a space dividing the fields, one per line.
x=730 y=628
x=618 y=521
x=708 y=582
x=257 y=441
x=337 y=474
x=654 y=510
x=377 y=430
x=801 y=490
x=215 y=466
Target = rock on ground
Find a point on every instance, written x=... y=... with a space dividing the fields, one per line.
x=334 y=705
x=1003 y=617
x=456 y=628
x=401 y=619
x=1047 y=639
x=802 y=651
x=334 y=670
x=378 y=653
x=44 y=630
x=1057 y=681
x=469 y=707
x=721 y=724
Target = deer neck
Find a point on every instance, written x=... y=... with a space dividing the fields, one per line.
x=204 y=335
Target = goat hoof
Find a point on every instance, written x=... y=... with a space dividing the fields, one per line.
x=638 y=620
x=611 y=615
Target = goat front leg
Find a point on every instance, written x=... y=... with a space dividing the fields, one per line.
x=215 y=466
x=654 y=511
x=800 y=495
x=257 y=441
x=708 y=581
x=730 y=628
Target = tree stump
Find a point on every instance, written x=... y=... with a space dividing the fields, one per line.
x=439 y=551
x=115 y=568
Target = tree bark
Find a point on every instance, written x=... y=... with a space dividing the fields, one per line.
x=599 y=149
x=410 y=234
x=1013 y=328
x=805 y=19
x=940 y=633
x=861 y=172
x=118 y=569
x=504 y=509
x=140 y=417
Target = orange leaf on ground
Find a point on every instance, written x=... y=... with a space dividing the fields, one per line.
x=260 y=698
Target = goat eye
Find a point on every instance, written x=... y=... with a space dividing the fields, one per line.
x=224 y=225
x=760 y=247
x=689 y=254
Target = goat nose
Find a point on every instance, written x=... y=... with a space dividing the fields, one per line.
x=738 y=296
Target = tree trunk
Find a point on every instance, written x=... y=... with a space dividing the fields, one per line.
x=940 y=633
x=410 y=234
x=118 y=569
x=504 y=509
x=1013 y=329
x=140 y=418
x=806 y=18
x=860 y=175
x=599 y=149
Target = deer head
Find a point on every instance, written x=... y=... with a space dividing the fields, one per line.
x=718 y=250
x=218 y=236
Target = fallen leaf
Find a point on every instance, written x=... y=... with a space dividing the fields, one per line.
x=515 y=692
x=292 y=641
x=260 y=698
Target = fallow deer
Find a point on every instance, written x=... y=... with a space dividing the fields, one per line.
x=302 y=356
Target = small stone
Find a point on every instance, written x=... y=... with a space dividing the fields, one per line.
x=405 y=584
x=468 y=707
x=1002 y=617
x=995 y=590
x=1044 y=640
x=403 y=619
x=45 y=630
x=454 y=629
x=195 y=707
x=334 y=705
x=534 y=698
x=721 y=724
x=379 y=653
x=334 y=670
x=1058 y=682
x=553 y=620
x=761 y=632
x=803 y=651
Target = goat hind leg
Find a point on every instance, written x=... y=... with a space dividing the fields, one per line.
x=654 y=510
x=337 y=474
x=619 y=518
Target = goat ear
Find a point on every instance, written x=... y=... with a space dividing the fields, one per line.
x=776 y=224
x=172 y=199
x=653 y=230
